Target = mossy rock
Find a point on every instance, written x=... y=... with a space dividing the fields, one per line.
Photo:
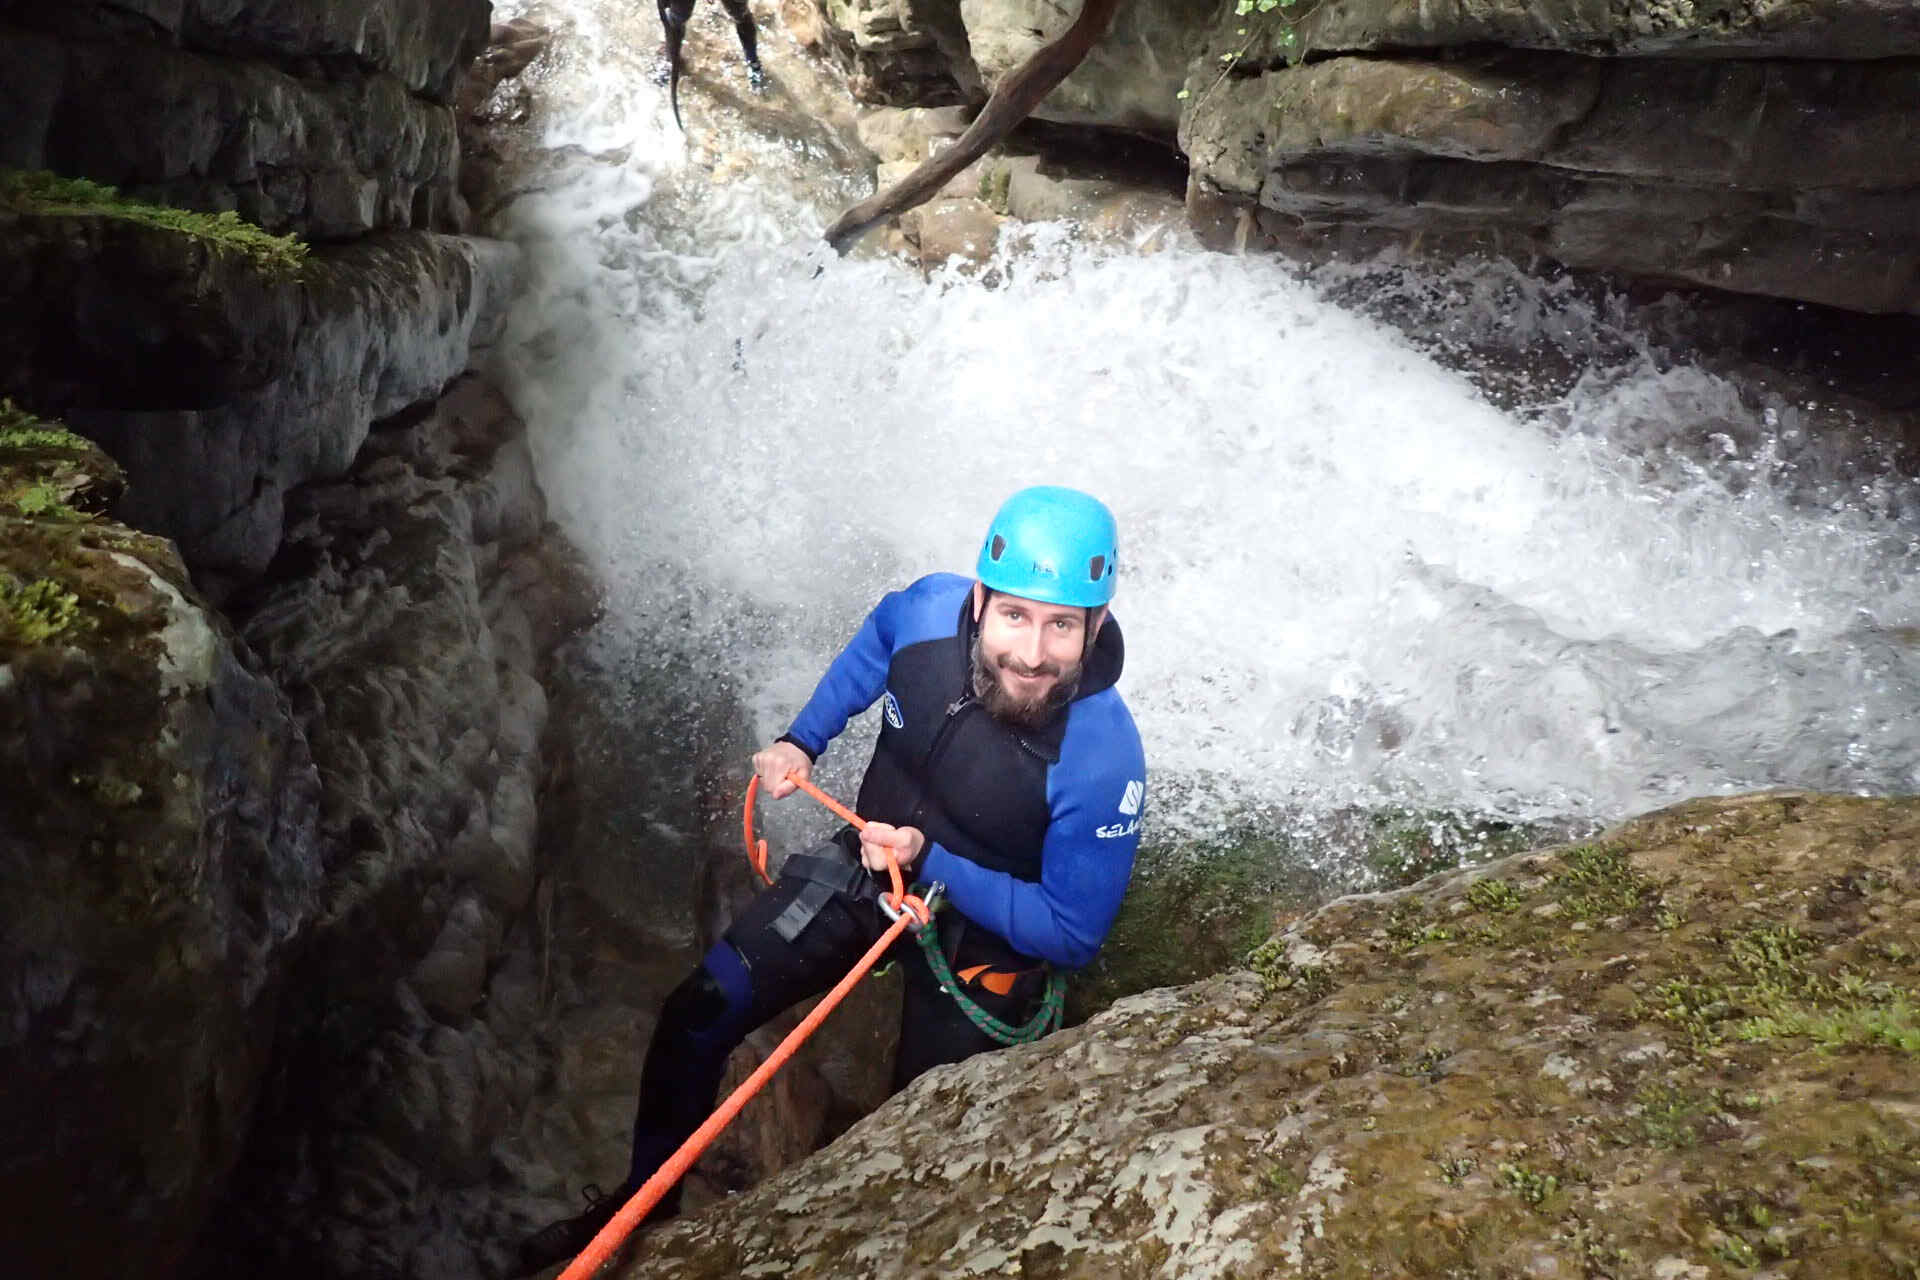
x=48 y=472
x=1197 y=908
x=155 y=831
x=1684 y=1050
x=106 y=303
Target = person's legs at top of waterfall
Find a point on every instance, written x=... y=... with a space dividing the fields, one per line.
x=1007 y=769
x=674 y=16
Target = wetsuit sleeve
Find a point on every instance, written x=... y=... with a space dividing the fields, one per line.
x=1086 y=860
x=852 y=681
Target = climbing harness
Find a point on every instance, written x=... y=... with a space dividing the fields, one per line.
x=906 y=910
x=826 y=876
x=1051 y=1005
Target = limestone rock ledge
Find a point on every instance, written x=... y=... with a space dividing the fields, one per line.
x=157 y=854
x=422 y=43
x=323 y=159
x=99 y=311
x=1759 y=147
x=384 y=323
x=1792 y=179
x=1687 y=1047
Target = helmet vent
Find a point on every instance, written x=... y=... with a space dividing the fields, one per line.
x=998 y=548
x=1096 y=567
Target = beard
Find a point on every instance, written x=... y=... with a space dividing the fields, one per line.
x=1010 y=708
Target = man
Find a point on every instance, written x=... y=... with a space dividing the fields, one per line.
x=1007 y=769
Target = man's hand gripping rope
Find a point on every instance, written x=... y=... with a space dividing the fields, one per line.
x=881 y=845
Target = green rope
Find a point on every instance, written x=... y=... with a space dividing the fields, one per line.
x=1052 y=1006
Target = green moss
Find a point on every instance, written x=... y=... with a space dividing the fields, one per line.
x=1407 y=926
x=996 y=182
x=50 y=195
x=1597 y=883
x=1269 y=960
x=1671 y=1117
x=40 y=501
x=34 y=612
x=1281 y=1181
x=1496 y=897
x=1194 y=909
x=1536 y=1189
x=22 y=430
x=1767 y=989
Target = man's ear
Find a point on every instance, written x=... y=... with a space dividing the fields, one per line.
x=1096 y=619
x=979 y=601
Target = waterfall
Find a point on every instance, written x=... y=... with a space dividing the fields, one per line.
x=1351 y=576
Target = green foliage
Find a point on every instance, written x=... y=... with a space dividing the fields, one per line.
x=1286 y=39
x=42 y=501
x=1596 y=882
x=1269 y=960
x=1407 y=926
x=1768 y=991
x=33 y=613
x=1534 y=1188
x=1496 y=897
x=22 y=430
x=47 y=194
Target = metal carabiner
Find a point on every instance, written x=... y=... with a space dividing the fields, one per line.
x=917 y=909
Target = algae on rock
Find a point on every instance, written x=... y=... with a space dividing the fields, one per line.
x=1491 y=1072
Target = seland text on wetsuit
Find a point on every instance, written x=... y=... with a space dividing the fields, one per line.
x=1033 y=832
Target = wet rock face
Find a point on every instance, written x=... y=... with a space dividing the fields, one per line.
x=326 y=119
x=157 y=854
x=383 y=323
x=323 y=159
x=99 y=312
x=895 y=52
x=1767 y=151
x=1757 y=147
x=1128 y=81
x=1687 y=1047
x=926 y=53
x=422 y=43
x=408 y=616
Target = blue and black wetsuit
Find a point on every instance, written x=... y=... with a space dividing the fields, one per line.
x=1033 y=833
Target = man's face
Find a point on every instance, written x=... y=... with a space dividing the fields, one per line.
x=1027 y=655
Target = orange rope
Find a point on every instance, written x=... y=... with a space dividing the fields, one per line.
x=757 y=849
x=912 y=910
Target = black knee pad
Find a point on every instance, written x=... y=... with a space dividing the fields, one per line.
x=695 y=1004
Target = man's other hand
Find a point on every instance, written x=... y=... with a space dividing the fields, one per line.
x=877 y=839
x=777 y=761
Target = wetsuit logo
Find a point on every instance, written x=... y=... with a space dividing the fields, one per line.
x=891 y=709
x=1129 y=809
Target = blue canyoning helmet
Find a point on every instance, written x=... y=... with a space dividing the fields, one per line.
x=1051 y=544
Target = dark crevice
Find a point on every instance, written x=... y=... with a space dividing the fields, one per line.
x=1115 y=155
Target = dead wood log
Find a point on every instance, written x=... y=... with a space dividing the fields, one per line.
x=1013 y=99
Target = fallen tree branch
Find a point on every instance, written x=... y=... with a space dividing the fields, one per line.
x=1013 y=99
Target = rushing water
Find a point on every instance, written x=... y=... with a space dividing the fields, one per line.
x=1350 y=579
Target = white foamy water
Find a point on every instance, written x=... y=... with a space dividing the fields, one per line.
x=1349 y=579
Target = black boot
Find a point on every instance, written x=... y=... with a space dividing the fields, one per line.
x=563 y=1241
